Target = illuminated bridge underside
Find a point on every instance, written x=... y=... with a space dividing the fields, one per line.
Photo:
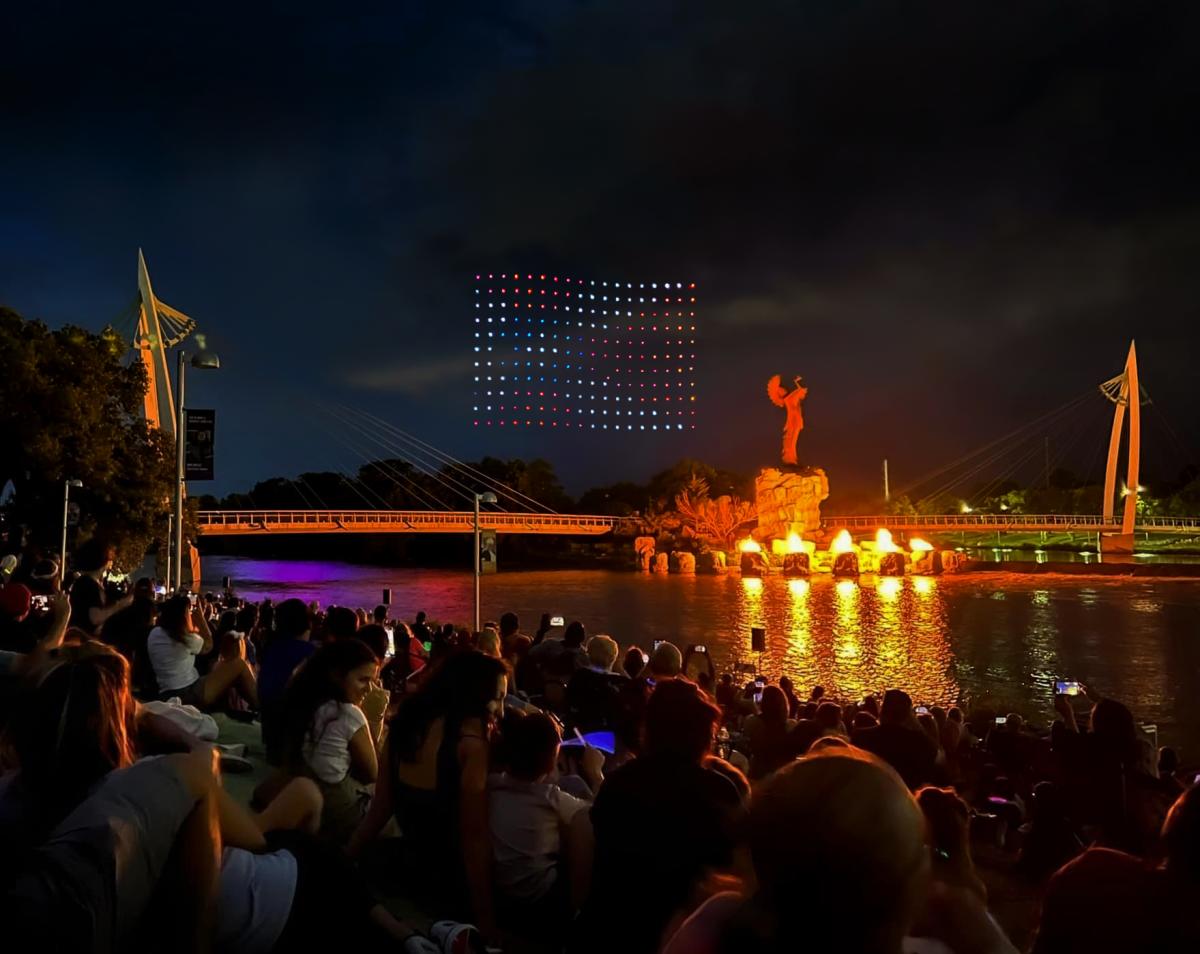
x=1012 y=523
x=248 y=522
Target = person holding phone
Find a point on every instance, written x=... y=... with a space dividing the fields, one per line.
x=181 y=635
x=640 y=881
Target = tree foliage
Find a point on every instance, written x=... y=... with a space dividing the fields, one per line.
x=71 y=407
x=716 y=521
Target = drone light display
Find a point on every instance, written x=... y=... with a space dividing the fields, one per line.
x=553 y=351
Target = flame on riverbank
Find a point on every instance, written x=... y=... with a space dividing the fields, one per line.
x=794 y=543
x=884 y=542
x=917 y=545
x=842 y=543
x=749 y=546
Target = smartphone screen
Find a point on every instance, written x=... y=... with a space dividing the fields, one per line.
x=701 y=649
x=1001 y=720
x=40 y=604
x=428 y=644
x=557 y=621
x=922 y=710
x=1067 y=687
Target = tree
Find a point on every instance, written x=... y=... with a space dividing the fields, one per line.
x=71 y=407
x=714 y=521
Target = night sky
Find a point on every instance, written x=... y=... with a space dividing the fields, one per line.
x=947 y=216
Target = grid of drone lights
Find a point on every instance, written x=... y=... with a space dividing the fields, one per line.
x=552 y=351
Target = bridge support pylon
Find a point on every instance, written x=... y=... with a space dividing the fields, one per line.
x=1124 y=392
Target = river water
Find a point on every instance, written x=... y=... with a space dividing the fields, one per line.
x=994 y=636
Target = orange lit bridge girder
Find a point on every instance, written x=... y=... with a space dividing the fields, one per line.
x=249 y=522
x=1010 y=523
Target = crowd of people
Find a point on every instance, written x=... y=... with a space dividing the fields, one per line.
x=544 y=792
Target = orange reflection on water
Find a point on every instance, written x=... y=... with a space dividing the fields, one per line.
x=799 y=633
x=846 y=628
x=851 y=636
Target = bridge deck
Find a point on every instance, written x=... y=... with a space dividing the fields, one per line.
x=246 y=522
x=249 y=522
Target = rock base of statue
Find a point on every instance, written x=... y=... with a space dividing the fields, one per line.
x=789 y=501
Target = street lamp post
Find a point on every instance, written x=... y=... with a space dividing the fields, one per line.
x=62 y=559
x=203 y=360
x=489 y=498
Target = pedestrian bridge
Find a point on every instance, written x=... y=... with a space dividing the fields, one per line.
x=1009 y=523
x=248 y=522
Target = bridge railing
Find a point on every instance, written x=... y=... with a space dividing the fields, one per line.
x=415 y=518
x=1002 y=521
x=967 y=520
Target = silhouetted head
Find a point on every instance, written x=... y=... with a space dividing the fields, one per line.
x=509 y=624
x=175 y=616
x=666 y=661
x=602 y=651
x=1168 y=761
x=634 y=662
x=341 y=622
x=896 y=709
x=846 y=817
x=292 y=620
x=530 y=744
x=381 y=613
x=829 y=717
x=376 y=637
x=680 y=722
x=94 y=555
x=774 y=706
x=489 y=643
x=575 y=635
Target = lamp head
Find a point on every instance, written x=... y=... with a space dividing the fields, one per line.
x=488 y=498
x=74 y=482
x=206 y=360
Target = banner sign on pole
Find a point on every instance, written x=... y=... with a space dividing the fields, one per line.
x=198 y=451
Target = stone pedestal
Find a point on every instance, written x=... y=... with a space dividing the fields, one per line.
x=796 y=565
x=789 y=502
x=683 y=562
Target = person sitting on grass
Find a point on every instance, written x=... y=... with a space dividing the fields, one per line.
x=181 y=635
x=433 y=781
x=541 y=836
x=77 y=736
x=327 y=737
x=649 y=879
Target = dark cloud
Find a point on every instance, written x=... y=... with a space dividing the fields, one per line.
x=948 y=217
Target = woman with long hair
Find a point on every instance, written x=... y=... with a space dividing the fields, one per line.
x=181 y=635
x=433 y=781
x=326 y=735
x=76 y=729
x=767 y=732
